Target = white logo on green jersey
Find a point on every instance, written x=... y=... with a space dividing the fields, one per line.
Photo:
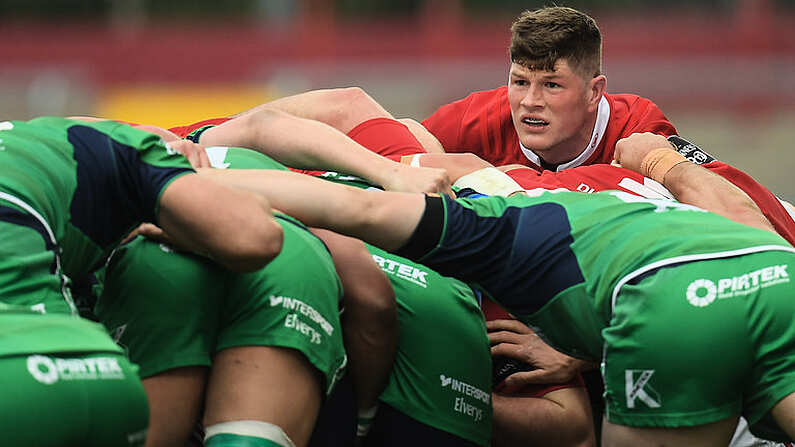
x=661 y=204
x=735 y=286
x=696 y=297
x=640 y=388
x=6 y=125
x=302 y=308
x=402 y=271
x=49 y=370
x=217 y=156
x=465 y=388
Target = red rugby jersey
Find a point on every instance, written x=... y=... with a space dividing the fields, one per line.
x=481 y=124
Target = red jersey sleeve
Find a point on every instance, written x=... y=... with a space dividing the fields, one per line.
x=184 y=131
x=771 y=207
x=629 y=114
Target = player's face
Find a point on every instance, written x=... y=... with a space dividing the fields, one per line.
x=553 y=111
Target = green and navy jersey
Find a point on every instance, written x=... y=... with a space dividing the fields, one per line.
x=563 y=256
x=87 y=184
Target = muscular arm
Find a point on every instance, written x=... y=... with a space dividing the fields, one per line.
x=308 y=144
x=236 y=228
x=385 y=219
x=694 y=185
x=691 y=183
x=559 y=418
x=369 y=322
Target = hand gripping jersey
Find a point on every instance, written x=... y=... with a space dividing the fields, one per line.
x=481 y=124
x=640 y=285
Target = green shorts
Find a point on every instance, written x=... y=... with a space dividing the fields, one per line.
x=29 y=273
x=703 y=341
x=66 y=383
x=171 y=310
x=442 y=371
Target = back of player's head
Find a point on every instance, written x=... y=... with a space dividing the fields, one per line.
x=541 y=37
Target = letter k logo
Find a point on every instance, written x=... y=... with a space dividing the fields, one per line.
x=638 y=389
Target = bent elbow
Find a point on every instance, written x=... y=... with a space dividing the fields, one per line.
x=255 y=251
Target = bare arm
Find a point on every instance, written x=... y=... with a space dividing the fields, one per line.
x=369 y=323
x=385 y=219
x=236 y=228
x=427 y=139
x=559 y=418
x=308 y=144
x=690 y=183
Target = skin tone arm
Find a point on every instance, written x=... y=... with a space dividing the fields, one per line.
x=233 y=227
x=308 y=144
x=559 y=418
x=386 y=221
x=369 y=323
x=427 y=139
x=692 y=184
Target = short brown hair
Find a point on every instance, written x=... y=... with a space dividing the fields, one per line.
x=541 y=37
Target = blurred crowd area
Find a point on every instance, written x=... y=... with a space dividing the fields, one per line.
x=722 y=70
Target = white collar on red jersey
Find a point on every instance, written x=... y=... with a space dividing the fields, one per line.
x=602 y=117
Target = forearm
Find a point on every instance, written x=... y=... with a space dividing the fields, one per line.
x=302 y=143
x=384 y=219
x=429 y=142
x=539 y=421
x=695 y=185
x=237 y=229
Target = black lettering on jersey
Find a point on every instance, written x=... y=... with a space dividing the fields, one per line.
x=690 y=150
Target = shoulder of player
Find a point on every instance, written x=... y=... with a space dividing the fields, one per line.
x=627 y=103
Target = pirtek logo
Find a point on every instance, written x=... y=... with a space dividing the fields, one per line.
x=703 y=292
x=49 y=370
x=402 y=271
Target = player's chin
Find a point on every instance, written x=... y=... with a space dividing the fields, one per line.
x=536 y=142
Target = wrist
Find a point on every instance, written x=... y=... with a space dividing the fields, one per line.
x=657 y=163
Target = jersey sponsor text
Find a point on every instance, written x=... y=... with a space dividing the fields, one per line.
x=702 y=292
x=402 y=271
x=49 y=370
x=302 y=308
x=465 y=388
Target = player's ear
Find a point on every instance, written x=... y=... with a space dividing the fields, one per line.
x=596 y=88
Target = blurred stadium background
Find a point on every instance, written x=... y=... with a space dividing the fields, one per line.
x=722 y=70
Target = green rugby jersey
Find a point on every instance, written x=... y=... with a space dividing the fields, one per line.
x=87 y=183
x=556 y=261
